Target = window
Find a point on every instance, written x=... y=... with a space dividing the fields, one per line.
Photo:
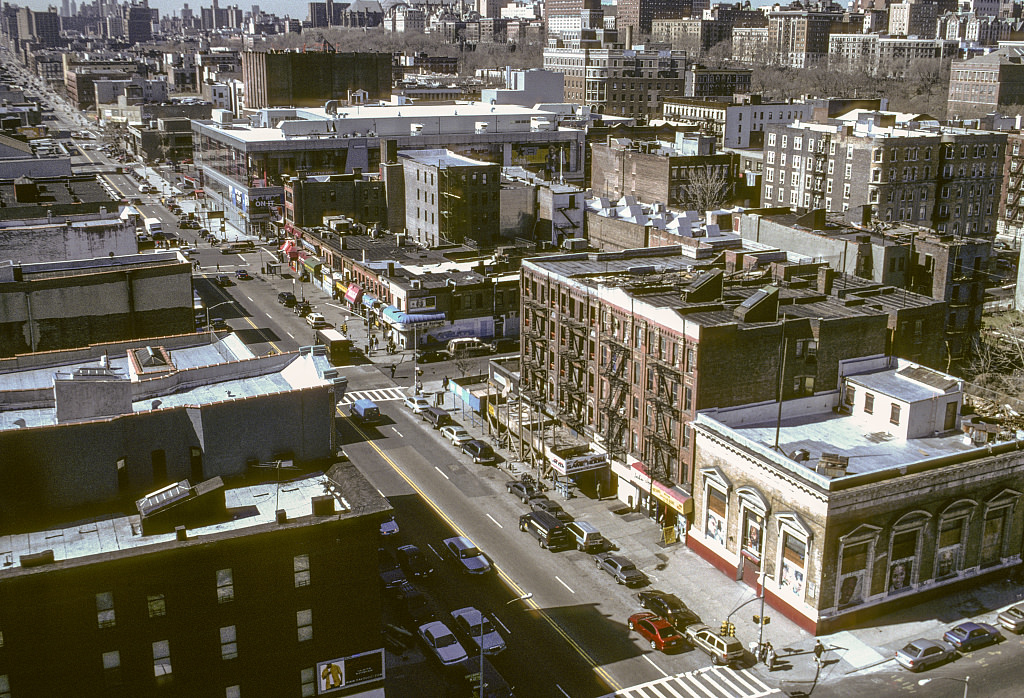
x=714 y=527
x=225 y=586
x=869 y=403
x=853 y=572
x=753 y=524
x=304 y=621
x=105 y=609
x=228 y=643
x=161 y=658
x=769 y=190
x=307 y=677
x=157 y=605
x=952 y=533
x=902 y=554
x=233 y=692
x=301 y=566
x=894 y=414
x=5 y=686
x=794 y=553
x=112 y=667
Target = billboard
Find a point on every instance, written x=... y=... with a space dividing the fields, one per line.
x=336 y=674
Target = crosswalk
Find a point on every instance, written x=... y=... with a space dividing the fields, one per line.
x=378 y=395
x=712 y=682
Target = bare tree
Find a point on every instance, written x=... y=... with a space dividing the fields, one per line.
x=707 y=188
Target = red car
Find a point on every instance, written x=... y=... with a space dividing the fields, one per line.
x=658 y=631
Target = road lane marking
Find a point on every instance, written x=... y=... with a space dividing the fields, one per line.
x=651 y=662
x=397 y=432
x=514 y=586
x=442 y=473
x=503 y=626
x=249 y=298
x=565 y=585
x=434 y=551
x=495 y=521
x=268 y=315
x=289 y=334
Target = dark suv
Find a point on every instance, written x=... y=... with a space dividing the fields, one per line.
x=479 y=451
x=287 y=299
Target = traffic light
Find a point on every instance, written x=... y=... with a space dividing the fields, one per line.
x=222 y=225
x=725 y=628
x=762 y=620
x=757 y=620
x=732 y=630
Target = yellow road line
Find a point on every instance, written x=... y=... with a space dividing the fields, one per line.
x=609 y=682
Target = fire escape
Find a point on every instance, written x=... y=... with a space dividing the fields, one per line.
x=535 y=348
x=573 y=360
x=661 y=427
x=616 y=404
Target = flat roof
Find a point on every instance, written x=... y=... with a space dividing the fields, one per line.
x=247 y=508
x=840 y=434
x=442 y=158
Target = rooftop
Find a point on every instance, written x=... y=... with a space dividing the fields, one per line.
x=442 y=158
x=248 y=507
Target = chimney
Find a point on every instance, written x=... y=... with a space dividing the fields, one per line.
x=826 y=277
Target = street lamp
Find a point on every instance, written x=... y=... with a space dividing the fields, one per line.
x=521 y=597
x=965 y=681
x=208 y=326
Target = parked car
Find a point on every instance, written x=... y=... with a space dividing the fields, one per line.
x=622 y=569
x=430 y=356
x=456 y=434
x=479 y=629
x=586 y=537
x=219 y=324
x=553 y=508
x=414 y=605
x=479 y=451
x=521 y=489
x=667 y=606
x=722 y=649
x=657 y=631
x=442 y=643
x=968 y=636
x=223 y=280
x=467 y=555
x=921 y=654
x=1013 y=618
x=412 y=560
x=243 y=275
x=286 y=298
x=389 y=527
x=317 y=320
x=505 y=345
x=417 y=404
x=392 y=578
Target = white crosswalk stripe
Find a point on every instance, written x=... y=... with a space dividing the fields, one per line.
x=377 y=395
x=712 y=682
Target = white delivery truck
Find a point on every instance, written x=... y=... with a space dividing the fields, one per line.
x=153 y=227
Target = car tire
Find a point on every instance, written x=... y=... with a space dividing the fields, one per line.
x=542 y=543
x=631 y=627
x=618 y=581
x=597 y=561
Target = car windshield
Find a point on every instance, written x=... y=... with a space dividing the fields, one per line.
x=470 y=552
x=912 y=649
x=444 y=640
x=475 y=628
x=628 y=567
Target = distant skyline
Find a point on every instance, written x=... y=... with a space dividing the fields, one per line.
x=293 y=8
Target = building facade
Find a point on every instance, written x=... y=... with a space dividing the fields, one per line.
x=986 y=84
x=309 y=79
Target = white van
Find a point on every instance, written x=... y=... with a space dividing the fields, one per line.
x=468 y=346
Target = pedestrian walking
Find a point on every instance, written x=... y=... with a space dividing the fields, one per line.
x=393 y=368
x=819 y=650
x=771 y=657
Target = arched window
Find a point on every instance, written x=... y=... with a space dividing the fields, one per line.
x=793 y=550
x=716 y=505
x=951 y=538
x=754 y=510
x=856 y=560
x=904 y=551
x=996 y=525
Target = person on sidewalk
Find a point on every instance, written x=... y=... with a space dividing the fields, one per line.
x=393 y=368
x=770 y=657
x=819 y=650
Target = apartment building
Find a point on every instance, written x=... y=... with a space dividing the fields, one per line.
x=798 y=37
x=626 y=347
x=913 y=18
x=888 y=167
x=985 y=84
x=621 y=82
x=885 y=56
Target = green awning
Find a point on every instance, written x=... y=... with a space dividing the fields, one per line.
x=312 y=263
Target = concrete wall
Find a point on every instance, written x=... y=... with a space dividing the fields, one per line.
x=71 y=466
x=43 y=314
x=57 y=241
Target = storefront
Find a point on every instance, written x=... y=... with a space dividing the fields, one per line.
x=409 y=330
x=312 y=266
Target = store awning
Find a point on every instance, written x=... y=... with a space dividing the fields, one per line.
x=312 y=263
x=353 y=293
x=673 y=497
x=401 y=318
x=369 y=301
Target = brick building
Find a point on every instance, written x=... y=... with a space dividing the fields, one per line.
x=842 y=530
x=307 y=199
x=310 y=78
x=638 y=14
x=450 y=198
x=704 y=82
x=946 y=268
x=626 y=347
x=245 y=598
x=798 y=37
x=985 y=84
x=888 y=167
x=1011 y=202
x=656 y=171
